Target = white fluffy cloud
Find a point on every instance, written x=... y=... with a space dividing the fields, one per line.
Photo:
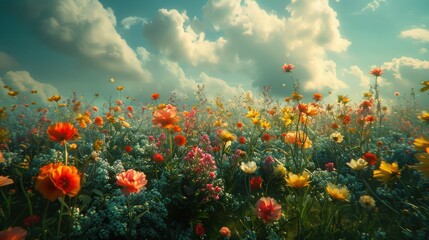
x=169 y=33
x=420 y=34
x=86 y=30
x=7 y=62
x=362 y=77
x=22 y=82
x=128 y=22
x=404 y=68
x=373 y=5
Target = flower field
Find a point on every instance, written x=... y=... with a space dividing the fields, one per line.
x=252 y=167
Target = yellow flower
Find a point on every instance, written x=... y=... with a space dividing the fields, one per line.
x=265 y=125
x=252 y=114
x=421 y=143
x=218 y=123
x=298 y=180
x=287 y=118
x=338 y=193
x=337 y=137
x=249 y=167
x=120 y=88
x=367 y=202
x=280 y=170
x=343 y=99
x=367 y=94
x=255 y=120
x=54 y=98
x=425 y=86
x=4 y=135
x=386 y=172
x=423 y=165
x=226 y=136
x=83 y=120
x=424 y=116
x=358 y=164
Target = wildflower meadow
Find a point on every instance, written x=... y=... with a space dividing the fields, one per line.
x=251 y=167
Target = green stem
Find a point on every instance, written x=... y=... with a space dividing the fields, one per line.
x=60 y=220
x=45 y=212
x=27 y=198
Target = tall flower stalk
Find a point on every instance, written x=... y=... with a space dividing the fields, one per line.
x=377 y=72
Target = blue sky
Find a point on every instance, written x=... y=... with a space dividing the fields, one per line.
x=229 y=46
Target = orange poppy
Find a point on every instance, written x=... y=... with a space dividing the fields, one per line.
x=165 y=117
x=62 y=131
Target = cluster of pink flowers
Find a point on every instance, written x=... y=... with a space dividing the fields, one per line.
x=202 y=170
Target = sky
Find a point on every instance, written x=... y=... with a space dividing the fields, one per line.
x=227 y=46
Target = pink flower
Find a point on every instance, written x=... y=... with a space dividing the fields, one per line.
x=224 y=231
x=376 y=72
x=132 y=181
x=268 y=210
x=287 y=67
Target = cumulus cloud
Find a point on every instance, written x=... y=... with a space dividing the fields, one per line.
x=128 y=22
x=362 y=77
x=86 y=30
x=7 y=62
x=171 y=35
x=420 y=34
x=373 y=5
x=261 y=41
x=22 y=82
x=404 y=68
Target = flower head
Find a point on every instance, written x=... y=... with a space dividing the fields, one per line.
x=424 y=117
x=56 y=180
x=225 y=232
x=287 y=67
x=249 y=167
x=255 y=183
x=268 y=210
x=386 y=172
x=371 y=158
x=62 y=131
x=301 y=139
x=425 y=86
x=423 y=165
x=132 y=181
x=298 y=180
x=199 y=229
x=376 y=72
x=226 y=136
x=337 y=137
x=180 y=140
x=421 y=143
x=155 y=96
x=358 y=164
x=367 y=202
x=338 y=193
x=13 y=233
x=166 y=117
x=5 y=180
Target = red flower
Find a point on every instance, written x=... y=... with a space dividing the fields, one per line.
x=56 y=180
x=62 y=131
x=370 y=118
x=128 y=148
x=31 y=220
x=199 y=229
x=180 y=140
x=287 y=67
x=255 y=183
x=317 y=97
x=334 y=125
x=99 y=121
x=242 y=140
x=370 y=158
x=376 y=72
x=239 y=124
x=13 y=233
x=224 y=231
x=266 y=137
x=268 y=210
x=330 y=167
x=347 y=120
x=158 y=158
x=155 y=96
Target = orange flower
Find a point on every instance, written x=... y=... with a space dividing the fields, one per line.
x=99 y=121
x=13 y=93
x=120 y=88
x=56 y=180
x=5 y=180
x=132 y=181
x=83 y=120
x=13 y=233
x=300 y=139
x=166 y=117
x=155 y=96
x=62 y=131
x=317 y=97
x=54 y=98
x=376 y=72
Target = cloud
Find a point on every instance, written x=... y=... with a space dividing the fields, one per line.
x=7 y=62
x=22 y=82
x=170 y=35
x=419 y=34
x=363 y=78
x=408 y=69
x=373 y=5
x=85 y=30
x=259 y=42
x=128 y=22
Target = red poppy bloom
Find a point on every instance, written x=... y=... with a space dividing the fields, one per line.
x=180 y=140
x=242 y=140
x=370 y=158
x=334 y=125
x=155 y=96
x=347 y=120
x=376 y=72
x=370 y=118
x=56 y=180
x=287 y=67
x=99 y=121
x=62 y=131
x=266 y=137
x=317 y=97
x=239 y=124
x=255 y=183
x=268 y=210
x=128 y=148
x=31 y=220
x=199 y=229
x=158 y=158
